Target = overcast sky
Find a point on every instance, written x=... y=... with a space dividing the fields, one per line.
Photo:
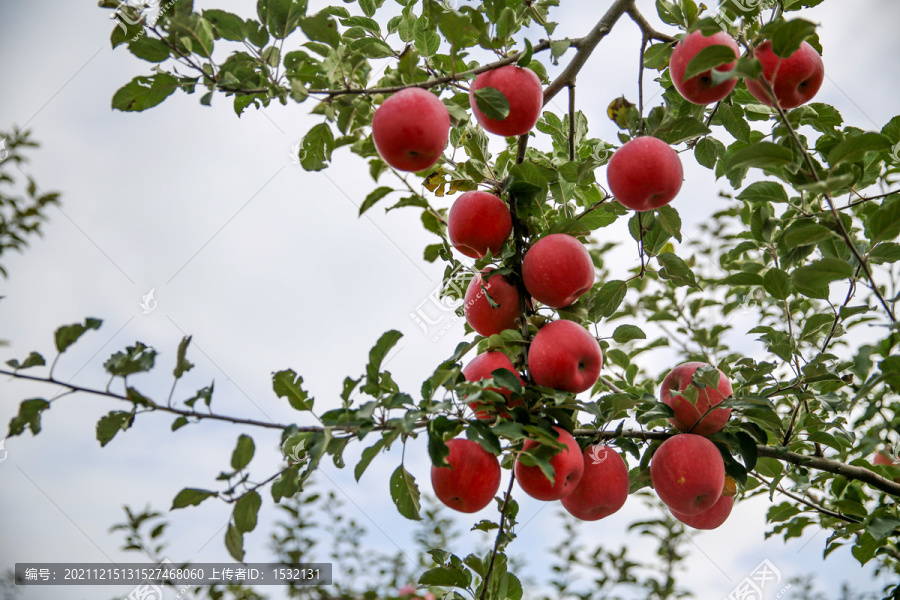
x=268 y=267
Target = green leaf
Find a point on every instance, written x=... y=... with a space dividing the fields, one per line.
x=226 y=25
x=769 y=467
x=191 y=497
x=762 y=155
x=669 y=12
x=283 y=16
x=626 y=333
x=243 y=452
x=136 y=359
x=525 y=56
x=670 y=221
x=742 y=279
x=709 y=58
x=109 y=425
x=445 y=576
x=885 y=252
x=142 y=93
x=69 y=334
x=806 y=235
x=287 y=384
x=777 y=283
x=682 y=129
x=608 y=299
x=317 y=146
x=376 y=355
x=34 y=360
x=29 y=416
x=573 y=227
x=707 y=152
x=787 y=38
x=764 y=191
x=182 y=364
x=855 y=148
x=883 y=223
x=864 y=548
x=732 y=118
x=492 y=103
x=405 y=493
x=234 y=542
x=367 y=455
x=371 y=47
x=812 y=280
x=829 y=184
x=882 y=527
x=676 y=270
x=369 y=6
x=657 y=56
x=374 y=197
x=658 y=410
x=246 y=510
x=426 y=38
x=149 y=49
x=481 y=433
x=196 y=30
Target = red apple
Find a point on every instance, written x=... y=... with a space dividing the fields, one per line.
x=481 y=367
x=568 y=466
x=710 y=518
x=688 y=473
x=795 y=79
x=645 y=174
x=557 y=270
x=483 y=318
x=478 y=222
x=699 y=89
x=564 y=356
x=472 y=479
x=884 y=459
x=604 y=485
x=687 y=415
x=410 y=129
x=522 y=89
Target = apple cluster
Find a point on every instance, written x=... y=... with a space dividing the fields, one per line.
x=793 y=80
x=410 y=131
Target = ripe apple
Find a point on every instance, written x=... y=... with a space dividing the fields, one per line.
x=884 y=459
x=710 y=518
x=604 y=485
x=481 y=367
x=410 y=129
x=472 y=479
x=687 y=415
x=568 y=467
x=795 y=79
x=699 y=89
x=522 y=90
x=645 y=174
x=409 y=592
x=483 y=318
x=688 y=473
x=557 y=270
x=479 y=222
x=564 y=356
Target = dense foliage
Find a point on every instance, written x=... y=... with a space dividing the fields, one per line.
x=805 y=244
